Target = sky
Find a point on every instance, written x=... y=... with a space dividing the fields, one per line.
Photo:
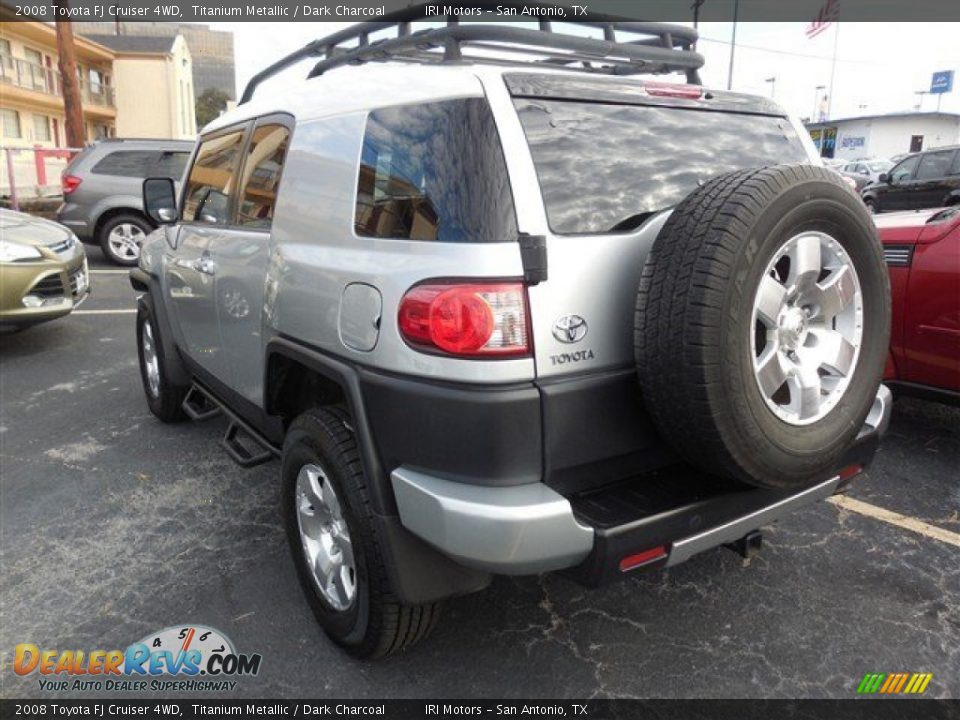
x=879 y=68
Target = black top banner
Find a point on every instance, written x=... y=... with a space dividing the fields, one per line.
x=508 y=10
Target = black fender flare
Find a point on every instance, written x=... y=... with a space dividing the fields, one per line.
x=418 y=573
x=346 y=377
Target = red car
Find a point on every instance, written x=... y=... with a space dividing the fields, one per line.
x=922 y=249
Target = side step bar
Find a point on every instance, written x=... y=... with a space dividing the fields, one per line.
x=244 y=445
x=199 y=406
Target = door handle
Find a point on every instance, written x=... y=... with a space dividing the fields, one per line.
x=205 y=265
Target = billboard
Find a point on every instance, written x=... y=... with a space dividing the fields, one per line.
x=941 y=82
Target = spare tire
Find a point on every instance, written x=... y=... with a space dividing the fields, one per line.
x=762 y=324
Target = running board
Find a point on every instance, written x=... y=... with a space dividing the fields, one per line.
x=199 y=406
x=245 y=446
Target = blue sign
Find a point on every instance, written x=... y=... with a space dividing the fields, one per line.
x=942 y=82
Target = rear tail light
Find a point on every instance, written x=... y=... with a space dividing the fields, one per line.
x=467 y=320
x=70 y=183
x=692 y=92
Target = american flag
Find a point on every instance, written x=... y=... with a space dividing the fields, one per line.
x=829 y=12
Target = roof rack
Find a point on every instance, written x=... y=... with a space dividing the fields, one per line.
x=661 y=47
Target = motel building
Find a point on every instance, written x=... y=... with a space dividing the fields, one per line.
x=883 y=136
x=31 y=102
x=130 y=86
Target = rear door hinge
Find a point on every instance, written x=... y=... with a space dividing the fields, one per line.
x=533 y=256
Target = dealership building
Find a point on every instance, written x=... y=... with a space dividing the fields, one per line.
x=882 y=136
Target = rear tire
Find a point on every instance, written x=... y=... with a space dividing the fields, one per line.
x=871 y=206
x=121 y=236
x=702 y=349
x=323 y=478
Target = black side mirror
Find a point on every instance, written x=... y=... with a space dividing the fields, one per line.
x=884 y=178
x=160 y=200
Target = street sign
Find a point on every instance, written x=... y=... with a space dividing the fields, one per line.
x=941 y=82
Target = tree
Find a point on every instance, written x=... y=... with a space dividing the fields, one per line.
x=210 y=104
x=69 y=79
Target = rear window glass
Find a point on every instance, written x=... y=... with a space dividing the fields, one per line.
x=934 y=165
x=434 y=172
x=171 y=165
x=126 y=163
x=603 y=167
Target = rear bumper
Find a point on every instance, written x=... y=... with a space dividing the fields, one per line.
x=531 y=528
x=77 y=219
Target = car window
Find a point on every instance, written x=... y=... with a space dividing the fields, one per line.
x=261 y=176
x=591 y=184
x=434 y=172
x=211 y=179
x=934 y=165
x=904 y=171
x=171 y=165
x=955 y=168
x=126 y=163
x=849 y=167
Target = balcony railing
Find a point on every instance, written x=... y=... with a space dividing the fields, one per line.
x=33 y=76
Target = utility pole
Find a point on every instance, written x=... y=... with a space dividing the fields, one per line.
x=69 y=79
x=773 y=86
x=816 y=101
x=733 y=43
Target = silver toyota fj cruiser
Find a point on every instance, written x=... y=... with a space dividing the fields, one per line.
x=513 y=310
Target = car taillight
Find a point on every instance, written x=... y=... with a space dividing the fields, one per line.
x=70 y=183
x=670 y=90
x=466 y=319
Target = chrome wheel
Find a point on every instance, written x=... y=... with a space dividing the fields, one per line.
x=125 y=240
x=807 y=328
x=325 y=538
x=151 y=364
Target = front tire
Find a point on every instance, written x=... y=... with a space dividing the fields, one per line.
x=335 y=543
x=762 y=324
x=164 y=398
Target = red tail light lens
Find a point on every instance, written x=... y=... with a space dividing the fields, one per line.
x=632 y=562
x=467 y=320
x=670 y=90
x=70 y=183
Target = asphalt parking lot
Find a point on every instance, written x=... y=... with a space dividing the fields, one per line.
x=113 y=525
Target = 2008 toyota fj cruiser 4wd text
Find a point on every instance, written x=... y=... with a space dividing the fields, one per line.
x=507 y=317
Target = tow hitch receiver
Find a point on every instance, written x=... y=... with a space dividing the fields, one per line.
x=748 y=546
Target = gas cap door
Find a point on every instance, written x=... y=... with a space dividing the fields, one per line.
x=360 y=309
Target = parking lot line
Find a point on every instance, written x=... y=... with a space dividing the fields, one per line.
x=128 y=311
x=903 y=521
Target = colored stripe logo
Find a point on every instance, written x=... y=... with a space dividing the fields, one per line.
x=894 y=683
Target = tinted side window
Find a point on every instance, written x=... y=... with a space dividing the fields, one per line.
x=905 y=170
x=934 y=165
x=434 y=172
x=171 y=165
x=261 y=175
x=126 y=163
x=211 y=179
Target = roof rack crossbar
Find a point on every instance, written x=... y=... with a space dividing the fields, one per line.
x=664 y=47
